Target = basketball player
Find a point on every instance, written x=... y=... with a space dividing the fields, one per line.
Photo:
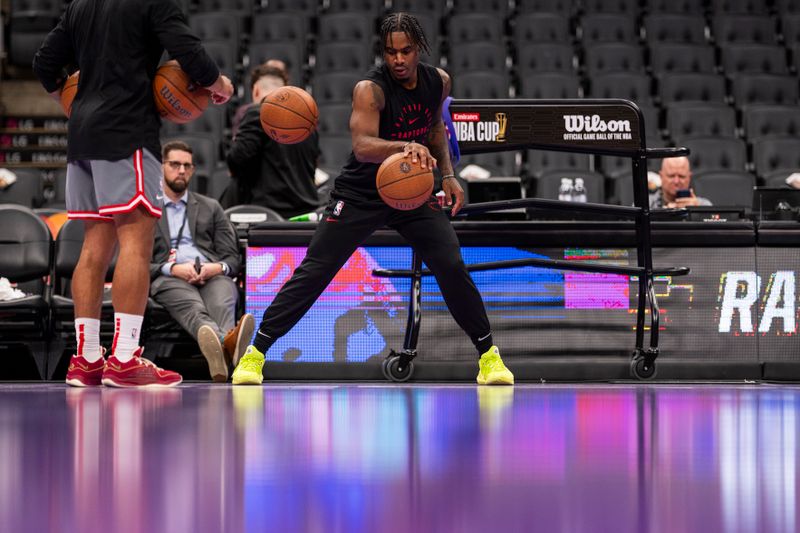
x=114 y=170
x=396 y=109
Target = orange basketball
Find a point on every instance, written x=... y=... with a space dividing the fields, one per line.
x=68 y=91
x=289 y=115
x=178 y=99
x=402 y=184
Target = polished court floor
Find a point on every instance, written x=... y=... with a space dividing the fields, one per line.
x=380 y=457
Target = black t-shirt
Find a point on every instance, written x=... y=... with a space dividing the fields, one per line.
x=278 y=176
x=408 y=115
x=117 y=46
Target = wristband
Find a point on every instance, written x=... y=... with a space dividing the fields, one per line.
x=448 y=176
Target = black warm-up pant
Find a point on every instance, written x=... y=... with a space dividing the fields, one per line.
x=426 y=228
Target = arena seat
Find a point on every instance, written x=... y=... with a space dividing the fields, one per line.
x=271 y=27
x=771 y=121
x=676 y=7
x=626 y=7
x=432 y=8
x=790 y=29
x=343 y=57
x=345 y=27
x=739 y=7
x=787 y=7
x=678 y=57
x=335 y=150
x=545 y=57
x=613 y=57
x=669 y=28
x=715 y=153
x=217 y=26
x=725 y=188
x=685 y=121
x=334 y=119
x=475 y=27
x=366 y=8
x=540 y=28
x=627 y=85
x=25 y=257
x=334 y=87
x=307 y=7
x=481 y=85
x=754 y=59
x=751 y=89
x=744 y=29
x=499 y=7
x=776 y=154
x=565 y=8
x=550 y=85
x=608 y=28
x=691 y=87
x=26 y=191
x=479 y=56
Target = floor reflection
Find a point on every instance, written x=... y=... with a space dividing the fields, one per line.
x=399 y=458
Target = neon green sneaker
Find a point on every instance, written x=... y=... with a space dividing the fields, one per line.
x=249 y=371
x=492 y=370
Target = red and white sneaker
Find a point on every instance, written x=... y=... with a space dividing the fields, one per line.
x=82 y=373
x=138 y=372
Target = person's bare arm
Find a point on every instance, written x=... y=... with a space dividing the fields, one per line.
x=437 y=141
x=368 y=147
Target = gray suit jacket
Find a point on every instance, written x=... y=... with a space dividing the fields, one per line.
x=212 y=233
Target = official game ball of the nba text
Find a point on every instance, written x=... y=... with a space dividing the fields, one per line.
x=289 y=115
x=403 y=184
x=178 y=98
x=67 y=94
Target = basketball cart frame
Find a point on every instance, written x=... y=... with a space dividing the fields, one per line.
x=542 y=124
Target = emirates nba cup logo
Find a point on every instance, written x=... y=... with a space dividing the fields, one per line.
x=502 y=123
x=469 y=127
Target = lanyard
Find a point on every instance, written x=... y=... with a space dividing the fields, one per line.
x=183 y=225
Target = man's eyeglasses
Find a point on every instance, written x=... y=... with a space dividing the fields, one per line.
x=175 y=165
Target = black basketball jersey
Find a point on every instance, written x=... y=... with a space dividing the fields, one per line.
x=407 y=115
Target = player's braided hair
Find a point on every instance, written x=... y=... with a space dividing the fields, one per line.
x=408 y=24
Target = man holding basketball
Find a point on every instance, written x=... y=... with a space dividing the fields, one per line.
x=396 y=109
x=114 y=170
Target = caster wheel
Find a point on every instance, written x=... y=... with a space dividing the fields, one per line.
x=640 y=369
x=385 y=367
x=396 y=373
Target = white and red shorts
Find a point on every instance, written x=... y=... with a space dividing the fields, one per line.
x=99 y=189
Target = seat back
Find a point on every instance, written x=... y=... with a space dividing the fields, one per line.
x=26 y=191
x=754 y=59
x=608 y=28
x=692 y=88
x=714 y=153
x=545 y=57
x=479 y=56
x=481 y=85
x=474 y=27
x=700 y=120
x=669 y=28
x=614 y=57
x=334 y=87
x=550 y=85
x=25 y=244
x=630 y=86
x=681 y=57
x=751 y=89
x=771 y=155
x=725 y=188
x=771 y=121
x=744 y=29
x=540 y=28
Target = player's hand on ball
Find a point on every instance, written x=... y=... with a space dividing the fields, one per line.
x=419 y=152
x=222 y=90
x=451 y=189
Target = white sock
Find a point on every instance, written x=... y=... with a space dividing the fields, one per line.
x=87 y=335
x=126 y=335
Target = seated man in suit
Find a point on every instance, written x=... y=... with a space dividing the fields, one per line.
x=195 y=258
